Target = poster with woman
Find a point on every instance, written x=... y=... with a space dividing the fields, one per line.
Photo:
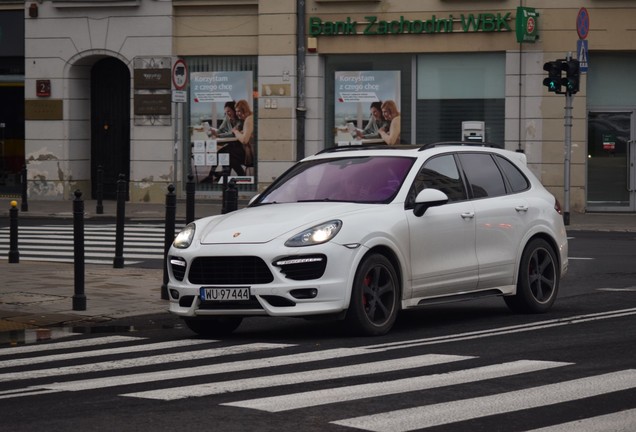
x=359 y=96
x=218 y=134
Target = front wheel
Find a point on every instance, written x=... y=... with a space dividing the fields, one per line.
x=374 y=300
x=213 y=327
x=538 y=281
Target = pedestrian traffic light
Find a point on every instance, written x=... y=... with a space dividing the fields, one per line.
x=553 y=81
x=572 y=75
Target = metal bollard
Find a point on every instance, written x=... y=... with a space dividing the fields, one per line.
x=230 y=197
x=118 y=262
x=79 y=299
x=99 y=209
x=14 y=253
x=25 y=204
x=171 y=211
x=190 y=189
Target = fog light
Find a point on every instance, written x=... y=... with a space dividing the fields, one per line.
x=304 y=293
x=174 y=294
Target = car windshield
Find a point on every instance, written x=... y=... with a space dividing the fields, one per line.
x=370 y=179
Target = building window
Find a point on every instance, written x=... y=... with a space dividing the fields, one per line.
x=452 y=88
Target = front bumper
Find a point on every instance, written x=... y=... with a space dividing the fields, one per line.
x=277 y=287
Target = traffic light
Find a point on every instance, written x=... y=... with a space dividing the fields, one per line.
x=553 y=81
x=572 y=75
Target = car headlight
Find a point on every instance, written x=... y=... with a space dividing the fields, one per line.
x=183 y=240
x=315 y=235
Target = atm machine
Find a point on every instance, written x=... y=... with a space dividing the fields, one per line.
x=474 y=131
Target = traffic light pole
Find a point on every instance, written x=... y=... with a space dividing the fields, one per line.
x=568 y=153
x=554 y=81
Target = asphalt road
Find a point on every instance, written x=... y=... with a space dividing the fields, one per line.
x=469 y=366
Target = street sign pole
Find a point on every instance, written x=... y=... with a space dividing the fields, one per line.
x=568 y=152
x=179 y=80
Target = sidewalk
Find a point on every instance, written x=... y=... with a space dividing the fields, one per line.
x=35 y=296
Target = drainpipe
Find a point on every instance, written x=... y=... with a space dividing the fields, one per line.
x=301 y=109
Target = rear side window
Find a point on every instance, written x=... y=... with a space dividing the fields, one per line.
x=483 y=175
x=518 y=182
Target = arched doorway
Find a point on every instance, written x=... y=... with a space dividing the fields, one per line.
x=110 y=125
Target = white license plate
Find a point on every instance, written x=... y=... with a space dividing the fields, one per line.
x=225 y=294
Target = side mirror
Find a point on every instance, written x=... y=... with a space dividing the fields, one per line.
x=428 y=198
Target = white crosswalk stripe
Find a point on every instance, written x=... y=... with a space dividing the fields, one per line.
x=466 y=409
x=341 y=376
x=54 y=243
x=341 y=394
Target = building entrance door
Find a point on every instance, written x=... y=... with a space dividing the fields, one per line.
x=611 y=163
x=110 y=125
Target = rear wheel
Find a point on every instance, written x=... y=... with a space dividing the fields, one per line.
x=374 y=297
x=538 y=281
x=213 y=327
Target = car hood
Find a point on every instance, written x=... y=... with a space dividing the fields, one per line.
x=262 y=224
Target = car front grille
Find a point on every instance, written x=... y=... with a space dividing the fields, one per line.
x=252 y=303
x=178 y=266
x=229 y=270
x=303 y=267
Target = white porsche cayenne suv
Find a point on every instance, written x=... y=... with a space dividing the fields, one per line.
x=359 y=233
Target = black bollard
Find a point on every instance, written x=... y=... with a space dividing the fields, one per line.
x=171 y=211
x=230 y=198
x=99 y=209
x=14 y=253
x=118 y=262
x=190 y=188
x=79 y=299
x=23 y=176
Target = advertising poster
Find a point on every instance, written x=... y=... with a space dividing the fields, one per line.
x=222 y=126
x=355 y=92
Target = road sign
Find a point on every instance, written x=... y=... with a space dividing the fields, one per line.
x=581 y=55
x=583 y=23
x=179 y=96
x=180 y=74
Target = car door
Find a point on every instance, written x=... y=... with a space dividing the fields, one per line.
x=443 y=256
x=501 y=214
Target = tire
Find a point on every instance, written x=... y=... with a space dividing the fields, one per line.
x=213 y=327
x=538 y=281
x=374 y=302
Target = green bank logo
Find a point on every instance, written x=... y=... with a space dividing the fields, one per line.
x=465 y=23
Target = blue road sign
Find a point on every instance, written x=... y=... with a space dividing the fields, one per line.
x=581 y=55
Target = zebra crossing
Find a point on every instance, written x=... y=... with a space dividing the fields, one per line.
x=54 y=243
x=127 y=366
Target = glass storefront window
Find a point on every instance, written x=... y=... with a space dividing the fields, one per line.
x=452 y=88
x=219 y=143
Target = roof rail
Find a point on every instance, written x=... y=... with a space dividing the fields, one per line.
x=460 y=143
x=336 y=149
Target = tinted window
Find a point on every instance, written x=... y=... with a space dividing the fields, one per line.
x=482 y=174
x=439 y=173
x=518 y=182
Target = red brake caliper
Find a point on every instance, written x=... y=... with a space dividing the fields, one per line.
x=366 y=282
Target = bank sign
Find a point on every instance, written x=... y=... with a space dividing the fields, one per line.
x=464 y=23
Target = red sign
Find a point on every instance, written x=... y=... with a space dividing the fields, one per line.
x=180 y=74
x=583 y=23
x=530 y=25
x=43 y=88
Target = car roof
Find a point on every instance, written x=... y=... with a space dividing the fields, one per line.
x=414 y=150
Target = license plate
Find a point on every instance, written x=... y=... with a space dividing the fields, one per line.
x=225 y=294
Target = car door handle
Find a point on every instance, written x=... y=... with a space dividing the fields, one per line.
x=521 y=208
x=468 y=215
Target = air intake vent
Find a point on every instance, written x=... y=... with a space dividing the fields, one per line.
x=230 y=270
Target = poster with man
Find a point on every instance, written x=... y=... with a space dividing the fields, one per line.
x=359 y=97
x=221 y=126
